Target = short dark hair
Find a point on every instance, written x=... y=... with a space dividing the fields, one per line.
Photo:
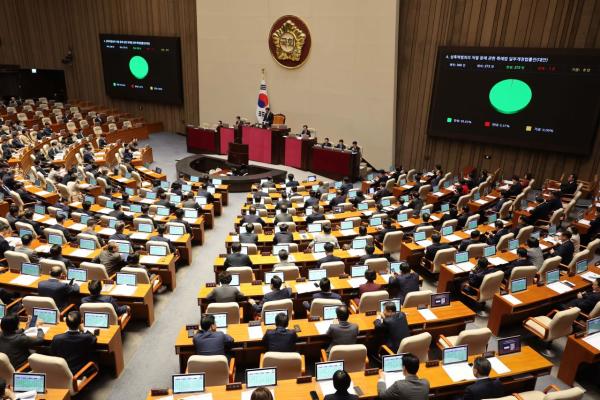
x=328 y=247
x=95 y=287
x=55 y=250
x=325 y=284
x=207 y=321
x=390 y=306
x=567 y=234
x=133 y=258
x=436 y=238
x=283 y=254
x=281 y=320
x=533 y=242
x=73 y=320
x=236 y=247
x=482 y=366
x=370 y=275
x=9 y=323
x=342 y=313
x=249 y=227
x=341 y=381
x=276 y=282
x=522 y=252
x=405 y=268
x=482 y=262
x=26 y=239
x=327 y=228
x=370 y=249
x=362 y=230
x=225 y=278
x=475 y=233
x=60 y=217
x=411 y=363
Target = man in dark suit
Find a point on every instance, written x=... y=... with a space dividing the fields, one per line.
x=160 y=237
x=278 y=292
x=400 y=285
x=522 y=261
x=283 y=201
x=515 y=188
x=329 y=257
x=475 y=278
x=283 y=216
x=463 y=217
x=499 y=230
x=340 y=145
x=476 y=238
x=16 y=344
x=281 y=338
x=283 y=236
x=250 y=217
x=555 y=202
x=341 y=383
x=339 y=198
x=586 y=301
x=312 y=200
x=179 y=213
x=326 y=143
x=390 y=328
x=317 y=215
x=110 y=258
x=409 y=388
x=28 y=219
x=268 y=117
x=56 y=289
x=387 y=227
x=210 y=342
x=484 y=387
x=343 y=332
x=118 y=213
x=291 y=181
x=77 y=347
x=541 y=211
x=95 y=288
x=324 y=293
x=249 y=236
x=370 y=253
x=236 y=258
x=431 y=250
x=565 y=249
x=60 y=219
x=225 y=293
x=570 y=186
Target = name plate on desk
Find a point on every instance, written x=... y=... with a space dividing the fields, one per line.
x=233 y=386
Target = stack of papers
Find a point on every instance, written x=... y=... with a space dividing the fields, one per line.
x=107 y=231
x=391 y=377
x=50 y=221
x=357 y=252
x=497 y=261
x=77 y=226
x=584 y=221
x=44 y=248
x=323 y=326
x=306 y=287
x=266 y=289
x=347 y=232
x=123 y=290
x=24 y=280
x=590 y=276
x=320 y=255
x=32 y=332
x=327 y=387
x=480 y=201
x=453 y=238
x=139 y=236
x=438 y=194
x=407 y=186
x=82 y=253
x=459 y=372
x=454 y=268
x=428 y=314
x=150 y=259
x=173 y=238
x=406 y=224
x=424 y=243
x=105 y=210
x=511 y=299
x=37 y=217
x=14 y=241
x=356 y=282
x=255 y=332
x=498 y=365
x=559 y=287
x=42 y=193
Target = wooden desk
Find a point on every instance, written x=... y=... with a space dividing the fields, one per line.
x=451 y=320
x=536 y=300
x=577 y=352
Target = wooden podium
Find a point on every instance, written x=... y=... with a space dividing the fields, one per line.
x=238 y=153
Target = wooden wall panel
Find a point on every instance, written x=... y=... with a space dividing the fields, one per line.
x=426 y=24
x=38 y=33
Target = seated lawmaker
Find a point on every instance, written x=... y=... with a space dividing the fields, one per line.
x=586 y=301
x=435 y=246
x=326 y=143
x=279 y=291
x=391 y=327
x=16 y=344
x=209 y=341
x=59 y=291
x=565 y=249
x=76 y=346
x=342 y=332
x=281 y=338
x=236 y=258
x=95 y=288
x=305 y=132
x=340 y=145
x=484 y=387
x=477 y=274
x=248 y=236
x=225 y=293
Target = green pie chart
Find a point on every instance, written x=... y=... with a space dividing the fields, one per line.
x=138 y=67
x=510 y=96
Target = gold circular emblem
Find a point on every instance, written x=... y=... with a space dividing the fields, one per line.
x=289 y=41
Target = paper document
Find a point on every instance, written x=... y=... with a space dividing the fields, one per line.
x=356 y=252
x=511 y=299
x=266 y=289
x=14 y=241
x=497 y=261
x=82 y=253
x=454 y=268
x=123 y=290
x=459 y=372
x=480 y=201
x=453 y=238
x=407 y=186
x=356 y=282
x=498 y=365
x=584 y=221
x=44 y=248
x=107 y=231
x=37 y=217
x=327 y=387
x=391 y=377
x=428 y=314
x=24 y=280
x=50 y=221
x=139 y=236
x=306 y=287
x=559 y=287
x=42 y=193
x=348 y=232
x=32 y=332
x=150 y=259
x=424 y=243
x=590 y=276
x=235 y=238
x=593 y=340
x=320 y=255
x=406 y=224
x=255 y=332
x=466 y=266
x=77 y=226
x=438 y=194
x=323 y=326
x=105 y=210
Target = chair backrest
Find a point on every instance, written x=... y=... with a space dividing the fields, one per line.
x=428 y=229
x=334 y=268
x=517 y=202
x=574 y=393
x=504 y=212
x=107 y=308
x=462 y=201
x=87 y=236
x=595 y=311
x=52 y=231
x=58 y=375
x=450 y=222
x=477 y=339
x=316 y=306
x=524 y=234
x=528 y=272
x=290 y=272
x=46 y=265
x=140 y=273
x=417 y=298
x=557 y=216
x=474 y=217
x=216 y=369
x=423 y=190
x=548 y=265
x=503 y=241
x=16 y=197
x=392 y=242
x=157 y=243
x=231 y=309
x=138 y=221
x=490 y=285
x=246 y=274
x=475 y=250
x=444 y=256
x=94 y=271
x=410 y=175
x=6 y=368
x=289 y=365
x=251 y=248
x=369 y=301
x=15 y=259
x=582 y=255
x=380 y=265
x=29 y=302
x=285 y=304
x=353 y=355
x=291 y=225
x=418 y=345
x=561 y=324
x=592 y=247
x=24 y=225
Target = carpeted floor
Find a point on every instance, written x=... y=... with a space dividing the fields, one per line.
x=150 y=357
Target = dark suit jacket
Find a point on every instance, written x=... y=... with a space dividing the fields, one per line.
x=251 y=218
x=410 y=388
x=120 y=310
x=58 y=290
x=17 y=346
x=430 y=251
x=587 y=303
x=326 y=295
x=465 y=243
x=315 y=217
x=280 y=339
x=484 y=389
x=565 y=250
x=248 y=237
x=225 y=294
x=64 y=230
x=568 y=187
x=208 y=343
x=237 y=260
x=476 y=276
x=341 y=396
x=541 y=211
x=4 y=246
x=495 y=238
x=391 y=331
x=283 y=237
x=327 y=259
x=343 y=333
x=399 y=286
x=77 y=348
x=272 y=296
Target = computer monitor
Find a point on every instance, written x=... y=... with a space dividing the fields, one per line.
x=330 y=196
x=235 y=280
x=176 y=230
x=319 y=247
x=77 y=274
x=162 y=211
x=358 y=271
x=126 y=279
x=271 y=314
x=112 y=223
x=190 y=213
x=552 y=230
x=375 y=221
x=552 y=276
x=518 y=285
x=39 y=209
x=402 y=217
x=201 y=200
x=581 y=266
x=271 y=275
x=23 y=232
x=445 y=207
x=440 y=299
x=314 y=228
x=220 y=319
x=317 y=274
x=535 y=235
x=386 y=202
x=211 y=189
x=46 y=315
x=124 y=248
x=2 y=310
x=145 y=228
x=87 y=244
x=392 y=363
x=593 y=325
x=402 y=182
x=194 y=179
x=311 y=178
x=186 y=187
x=346 y=225
x=337 y=185
x=217 y=182
x=110 y=204
x=509 y=345
x=324 y=370
x=447 y=230
x=29 y=382
x=95 y=320
x=395 y=267
x=382 y=304
x=55 y=239
x=30 y=269
x=130 y=191
x=359 y=244
x=264 y=377
x=492 y=218
x=471 y=225
x=188 y=383
x=352 y=194
x=308 y=211
x=362 y=206
x=151 y=195
x=513 y=244
x=278 y=247
x=329 y=312
x=461 y=257
x=156 y=250
x=419 y=236
x=489 y=251
x=244 y=249
x=454 y=355
x=476 y=196
x=90 y=199
x=84 y=218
